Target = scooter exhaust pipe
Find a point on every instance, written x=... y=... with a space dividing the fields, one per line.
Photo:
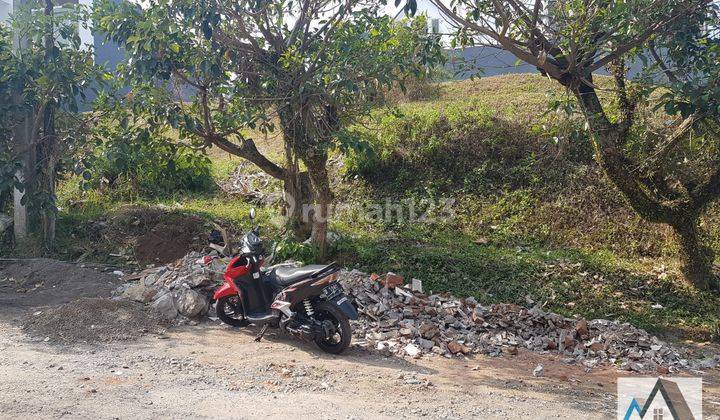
x=266 y=318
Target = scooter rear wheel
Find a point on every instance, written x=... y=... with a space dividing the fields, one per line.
x=338 y=342
x=229 y=310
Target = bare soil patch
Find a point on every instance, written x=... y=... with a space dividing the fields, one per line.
x=29 y=283
x=93 y=320
x=143 y=235
x=168 y=241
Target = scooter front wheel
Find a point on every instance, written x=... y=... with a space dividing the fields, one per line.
x=230 y=311
x=338 y=342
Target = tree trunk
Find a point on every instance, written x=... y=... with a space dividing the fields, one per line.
x=48 y=156
x=23 y=147
x=48 y=143
x=317 y=168
x=696 y=259
x=298 y=196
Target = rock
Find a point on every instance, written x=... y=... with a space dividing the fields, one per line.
x=392 y=280
x=165 y=305
x=582 y=328
x=140 y=293
x=426 y=344
x=416 y=285
x=511 y=350
x=538 y=371
x=429 y=330
x=406 y=332
x=411 y=350
x=456 y=348
x=190 y=303
x=151 y=279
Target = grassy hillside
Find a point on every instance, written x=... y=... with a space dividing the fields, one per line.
x=533 y=219
x=536 y=220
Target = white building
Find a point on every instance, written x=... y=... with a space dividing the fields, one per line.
x=6 y=9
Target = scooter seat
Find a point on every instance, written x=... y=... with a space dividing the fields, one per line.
x=287 y=275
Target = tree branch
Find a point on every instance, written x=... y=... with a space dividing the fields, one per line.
x=507 y=43
x=641 y=39
x=704 y=193
x=249 y=151
x=670 y=143
x=661 y=63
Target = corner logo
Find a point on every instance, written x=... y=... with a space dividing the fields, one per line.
x=664 y=398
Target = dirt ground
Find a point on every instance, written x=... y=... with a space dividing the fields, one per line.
x=140 y=235
x=37 y=282
x=212 y=371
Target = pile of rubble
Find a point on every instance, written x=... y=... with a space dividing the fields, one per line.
x=180 y=290
x=399 y=320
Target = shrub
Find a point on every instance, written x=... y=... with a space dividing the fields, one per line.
x=139 y=161
x=462 y=148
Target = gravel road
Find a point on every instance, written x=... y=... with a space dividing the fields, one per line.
x=209 y=370
x=213 y=371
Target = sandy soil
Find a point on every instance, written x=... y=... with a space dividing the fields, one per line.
x=212 y=371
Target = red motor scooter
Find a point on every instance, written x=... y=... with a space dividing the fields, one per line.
x=307 y=302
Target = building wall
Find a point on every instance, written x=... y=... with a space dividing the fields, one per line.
x=5 y=9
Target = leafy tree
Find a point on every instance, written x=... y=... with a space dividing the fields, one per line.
x=668 y=177
x=128 y=156
x=309 y=67
x=8 y=165
x=51 y=73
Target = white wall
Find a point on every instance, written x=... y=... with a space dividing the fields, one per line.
x=5 y=9
x=425 y=7
x=86 y=35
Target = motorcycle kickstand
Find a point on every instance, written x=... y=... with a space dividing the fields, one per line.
x=262 y=333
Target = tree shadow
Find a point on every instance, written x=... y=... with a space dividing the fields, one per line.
x=354 y=354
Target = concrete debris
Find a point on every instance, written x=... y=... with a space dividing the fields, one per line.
x=538 y=371
x=408 y=322
x=165 y=305
x=140 y=293
x=178 y=291
x=400 y=319
x=416 y=285
x=411 y=350
x=191 y=303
